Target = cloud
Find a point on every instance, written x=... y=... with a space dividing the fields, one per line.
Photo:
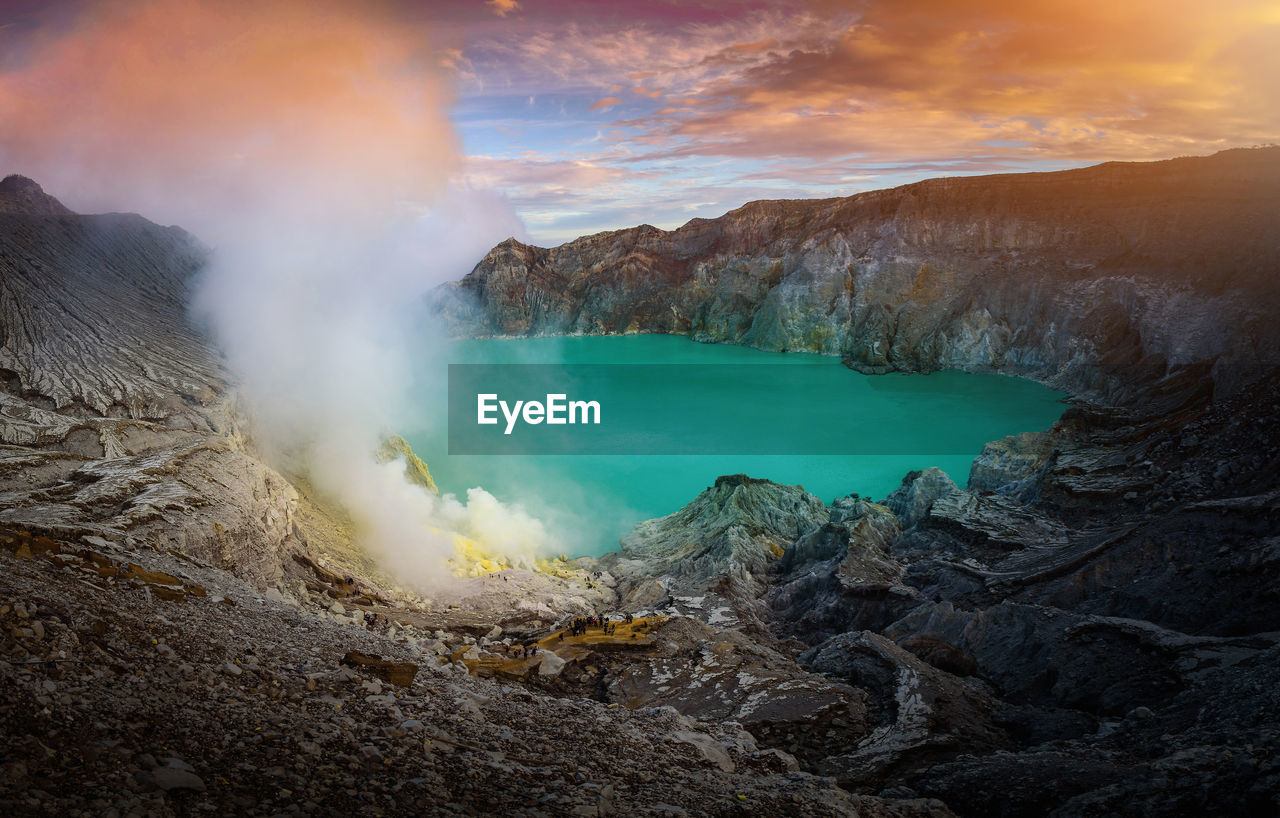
x=141 y=100
x=826 y=98
x=927 y=79
x=503 y=7
x=533 y=172
x=604 y=104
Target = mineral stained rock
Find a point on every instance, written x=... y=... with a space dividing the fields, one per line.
x=397 y=673
x=415 y=470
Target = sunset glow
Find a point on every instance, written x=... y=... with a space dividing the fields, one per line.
x=591 y=116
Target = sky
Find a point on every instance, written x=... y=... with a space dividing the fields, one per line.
x=590 y=116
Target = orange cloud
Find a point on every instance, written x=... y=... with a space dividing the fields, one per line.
x=604 y=104
x=503 y=7
x=185 y=104
x=1048 y=78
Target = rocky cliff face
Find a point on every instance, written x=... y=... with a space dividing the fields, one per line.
x=18 y=194
x=1006 y=653
x=115 y=418
x=1090 y=280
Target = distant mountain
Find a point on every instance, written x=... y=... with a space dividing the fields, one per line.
x=1087 y=279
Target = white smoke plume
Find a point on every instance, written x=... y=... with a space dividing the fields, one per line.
x=309 y=143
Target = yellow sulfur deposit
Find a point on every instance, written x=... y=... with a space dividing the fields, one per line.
x=470 y=560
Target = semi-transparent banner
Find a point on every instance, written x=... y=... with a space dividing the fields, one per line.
x=634 y=409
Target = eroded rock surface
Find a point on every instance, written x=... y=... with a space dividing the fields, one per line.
x=712 y=556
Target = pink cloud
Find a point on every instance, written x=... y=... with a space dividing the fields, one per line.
x=929 y=78
x=143 y=105
x=503 y=7
x=605 y=104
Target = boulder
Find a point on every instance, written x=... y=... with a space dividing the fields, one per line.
x=549 y=663
x=917 y=714
x=911 y=501
x=712 y=751
x=397 y=673
x=173 y=778
x=1009 y=464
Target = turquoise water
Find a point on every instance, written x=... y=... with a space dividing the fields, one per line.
x=591 y=501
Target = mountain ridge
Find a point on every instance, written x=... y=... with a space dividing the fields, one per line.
x=1041 y=275
x=20 y=194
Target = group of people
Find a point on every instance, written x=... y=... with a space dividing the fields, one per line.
x=580 y=625
x=524 y=651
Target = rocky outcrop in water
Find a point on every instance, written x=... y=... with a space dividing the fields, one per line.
x=727 y=537
x=1092 y=280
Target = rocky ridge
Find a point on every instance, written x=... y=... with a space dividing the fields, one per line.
x=1094 y=280
x=18 y=194
x=115 y=417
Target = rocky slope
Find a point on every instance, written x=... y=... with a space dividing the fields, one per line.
x=1091 y=280
x=183 y=630
x=1088 y=627
x=18 y=194
x=123 y=701
x=982 y=650
x=115 y=419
